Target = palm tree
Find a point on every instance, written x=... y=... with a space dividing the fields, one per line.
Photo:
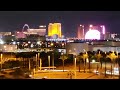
x=53 y=60
x=113 y=57
x=99 y=56
x=63 y=57
x=90 y=56
x=84 y=57
x=79 y=57
x=105 y=64
x=118 y=60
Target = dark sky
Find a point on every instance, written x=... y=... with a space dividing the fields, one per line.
x=15 y=20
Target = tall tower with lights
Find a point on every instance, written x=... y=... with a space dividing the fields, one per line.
x=54 y=29
x=80 y=33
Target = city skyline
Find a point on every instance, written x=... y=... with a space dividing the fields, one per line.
x=70 y=20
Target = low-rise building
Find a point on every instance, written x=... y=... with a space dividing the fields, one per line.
x=8 y=48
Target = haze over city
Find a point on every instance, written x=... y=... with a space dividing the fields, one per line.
x=70 y=20
x=59 y=45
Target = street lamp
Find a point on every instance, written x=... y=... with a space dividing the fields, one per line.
x=119 y=66
x=105 y=65
x=63 y=61
x=78 y=58
x=63 y=57
x=34 y=72
x=75 y=51
x=1 y=60
x=49 y=65
x=75 y=68
x=49 y=62
x=53 y=60
x=36 y=61
x=40 y=63
x=85 y=56
x=29 y=65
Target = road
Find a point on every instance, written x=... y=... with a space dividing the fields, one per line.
x=59 y=74
x=64 y=75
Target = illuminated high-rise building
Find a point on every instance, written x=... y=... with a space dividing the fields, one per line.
x=54 y=29
x=100 y=28
x=80 y=33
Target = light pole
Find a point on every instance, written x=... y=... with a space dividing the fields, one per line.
x=85 y=56
x=49 y=65
x=79 y=65
x=105 y=65
x=111 y=68
x=53 y=60
x=40 y=63
x=29 y=65
x=63 y=60
x=99 y=56
x=89 y=65
x=34 y=72
x=63 y=57
x=75 y=68
x=79 y=59
x=49 y=62
x=105 y=68
x=36 y=61
x=1 y=60
x=119 y=66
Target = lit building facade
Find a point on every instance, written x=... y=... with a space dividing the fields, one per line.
x=54 y=29
x=76 y=48
x=97 y=28
x=80 y=33
x=41 y=31
x=4 y=34
x=8 y=48
x=19 y=34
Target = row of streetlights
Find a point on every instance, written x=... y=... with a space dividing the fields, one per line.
x=85 y=56
x=113 y=56
x=39 y=61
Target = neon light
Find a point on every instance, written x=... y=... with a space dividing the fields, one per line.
x=92 y=34
x=103 y=29
x=91 y=25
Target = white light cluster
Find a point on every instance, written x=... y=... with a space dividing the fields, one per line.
x=92 y=34
x=1 y=41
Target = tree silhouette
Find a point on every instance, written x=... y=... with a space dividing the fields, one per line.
x=78 y=58
x=84 y=56
x=99 y=56
x=113 y=58
x=63 y=57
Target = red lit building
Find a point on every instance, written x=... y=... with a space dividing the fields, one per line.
x=80 y=33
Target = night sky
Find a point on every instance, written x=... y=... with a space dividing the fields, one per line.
x=15 y=20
